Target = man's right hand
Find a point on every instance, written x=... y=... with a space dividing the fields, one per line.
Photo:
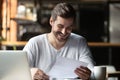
x=38 y=74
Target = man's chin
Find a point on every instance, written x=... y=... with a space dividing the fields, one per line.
x=62 y=40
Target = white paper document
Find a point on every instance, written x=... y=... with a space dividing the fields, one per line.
x=64 y=68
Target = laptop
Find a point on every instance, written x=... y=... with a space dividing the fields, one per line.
x=14 y=65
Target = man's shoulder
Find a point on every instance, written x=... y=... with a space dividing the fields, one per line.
x=76 y=36
x=77 y=39
x=38 y=37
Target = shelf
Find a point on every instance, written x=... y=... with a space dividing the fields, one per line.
x=22 y=21
x=92 y=44
x=103 y=44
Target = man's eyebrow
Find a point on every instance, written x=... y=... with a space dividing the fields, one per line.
x=71 y=25
x=67 y=26
x=60 y=24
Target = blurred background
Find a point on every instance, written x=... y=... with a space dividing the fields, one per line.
x=97 y=20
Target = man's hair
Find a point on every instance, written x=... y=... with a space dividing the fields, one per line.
x=63 y=10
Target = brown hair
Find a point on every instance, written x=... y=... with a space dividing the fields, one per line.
x=63 y=10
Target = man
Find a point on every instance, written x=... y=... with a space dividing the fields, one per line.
x=43 y=49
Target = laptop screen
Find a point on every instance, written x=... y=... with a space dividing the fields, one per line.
x=14 y=65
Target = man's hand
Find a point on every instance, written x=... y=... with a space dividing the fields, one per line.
x=83 y=72
x=38 y=74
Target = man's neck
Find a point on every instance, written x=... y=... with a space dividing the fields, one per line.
x=54 y=42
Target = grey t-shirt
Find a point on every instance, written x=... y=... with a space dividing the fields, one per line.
x=42 y=54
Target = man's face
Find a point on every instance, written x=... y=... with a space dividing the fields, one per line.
x=62 y=28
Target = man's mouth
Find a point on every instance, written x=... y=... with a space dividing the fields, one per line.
x=63 y=36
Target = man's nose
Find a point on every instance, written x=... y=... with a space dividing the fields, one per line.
x=63 y=31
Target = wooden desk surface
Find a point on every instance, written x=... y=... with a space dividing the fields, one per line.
x=92 y=44
x=114 y=74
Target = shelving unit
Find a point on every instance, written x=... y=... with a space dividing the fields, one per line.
x=92 y=22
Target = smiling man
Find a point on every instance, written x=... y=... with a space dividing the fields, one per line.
x=43 y=49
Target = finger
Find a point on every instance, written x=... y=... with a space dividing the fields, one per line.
x=37 y=77
x=82 y=73
x=40 y=75
x=85 y=69
x=43 y=76
x=46 y=77
x=81 y=70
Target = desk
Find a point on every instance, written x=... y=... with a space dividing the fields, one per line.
x=114 y=74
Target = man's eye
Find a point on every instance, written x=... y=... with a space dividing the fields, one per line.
x=69 y=28
x=60 y=26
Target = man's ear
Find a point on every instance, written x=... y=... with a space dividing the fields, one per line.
x=51 y=21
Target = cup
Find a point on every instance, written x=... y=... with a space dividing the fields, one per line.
x=100 y=73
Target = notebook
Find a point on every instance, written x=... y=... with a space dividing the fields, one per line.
x=14 y=65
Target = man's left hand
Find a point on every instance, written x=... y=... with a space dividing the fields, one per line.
x=83 y=72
